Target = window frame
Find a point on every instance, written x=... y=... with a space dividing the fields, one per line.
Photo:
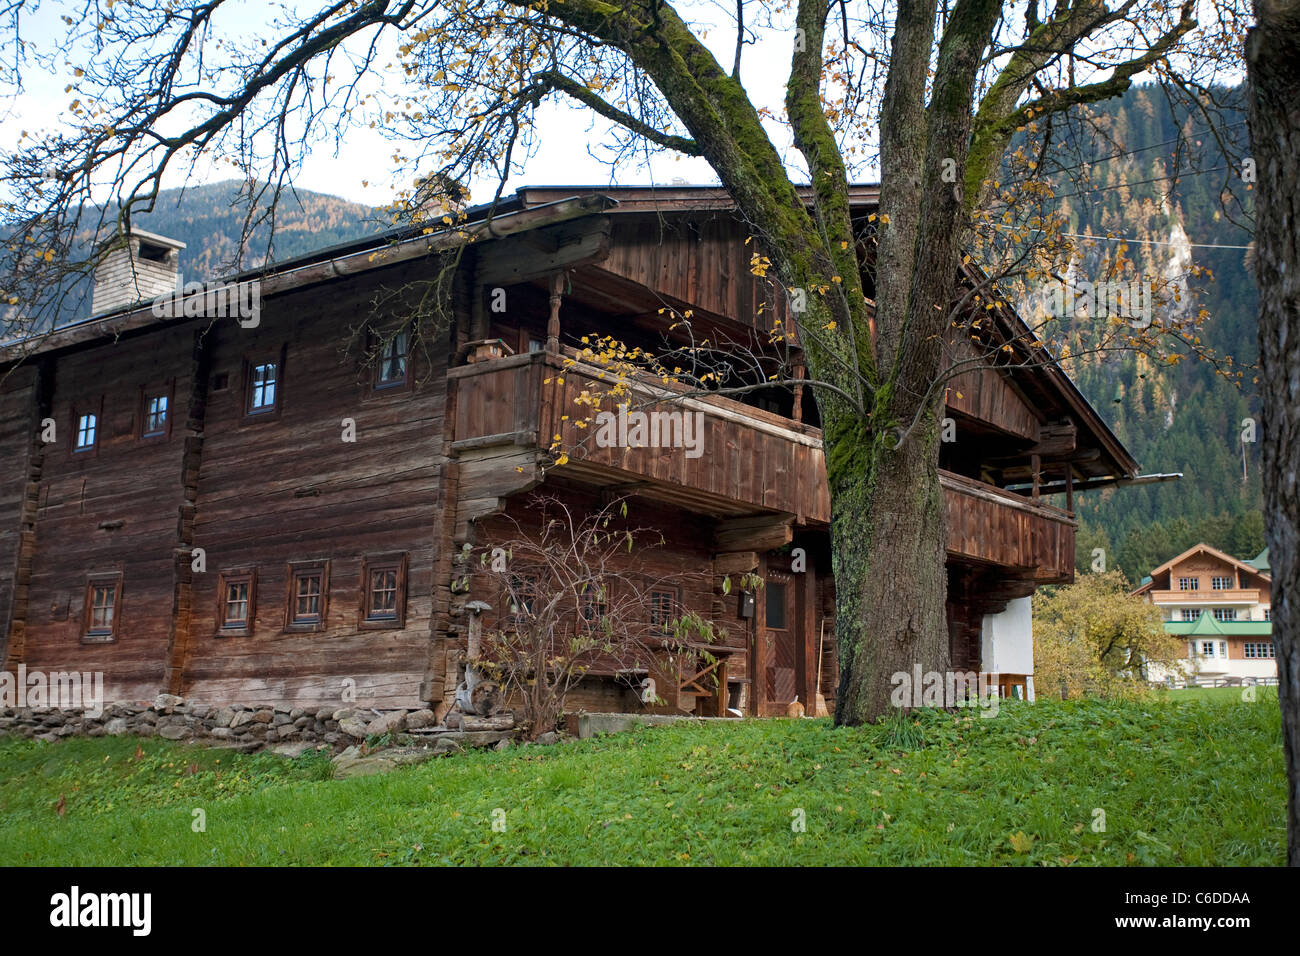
x=1202 y=645
x=1228 y=583
x=251 y=361
x=295 y=571
x=378 y=387
x=164 y=390
x=225 y=578
x=93 y=407
x=393 y=561
x=93 y=583
x=597 y=602
x=674 y=595
x=1259 y=651
x=1224 y=613
x=1195 y=584
x=512 y=613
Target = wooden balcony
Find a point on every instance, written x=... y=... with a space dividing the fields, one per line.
x=745 y=461
x=1210 y=596
x=729 y=459
x=990 y=526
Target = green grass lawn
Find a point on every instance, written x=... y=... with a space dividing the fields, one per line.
x=1179 y=784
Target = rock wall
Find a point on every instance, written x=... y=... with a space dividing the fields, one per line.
x=246 y=727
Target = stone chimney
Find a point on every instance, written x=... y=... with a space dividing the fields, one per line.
x=140 y=271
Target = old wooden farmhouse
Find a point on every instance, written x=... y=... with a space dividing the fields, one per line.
x=328 y=561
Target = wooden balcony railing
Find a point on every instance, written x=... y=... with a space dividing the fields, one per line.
x=1210 y=596
x=720 y=454
x=987 y=524
x=744 y=460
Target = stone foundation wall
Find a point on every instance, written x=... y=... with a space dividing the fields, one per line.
x=247 y=727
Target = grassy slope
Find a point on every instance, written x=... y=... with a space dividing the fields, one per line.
x=1192 y=780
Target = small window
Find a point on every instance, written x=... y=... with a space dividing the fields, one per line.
x=155 y=412
x=663 y=610
x=1189 y=584
x=394 y=360
x=1207 y=648
x=536 y=345
x=1191 y=613
x=307 y=591
x=264 y=379
x=1268 y=614
x=595 y=606
x=521 y=597
x=1259 y=650
x=1221 y=583
x=236 y=603
x=775 y=606
x=103 y=606
x=87 y=431
x=1225 y=614
x=383 y=596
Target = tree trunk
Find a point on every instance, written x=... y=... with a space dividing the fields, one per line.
x=1273 y=63
x=888 y=540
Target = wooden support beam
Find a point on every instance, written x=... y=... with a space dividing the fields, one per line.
x=1056 y=443
x=564 y=246
x=798 y=393
x=758 y=533
x=180 y=637
x=13 y=641
x=736 y=562
x=553 y=322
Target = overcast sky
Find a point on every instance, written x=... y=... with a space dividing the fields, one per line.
x=360 y=168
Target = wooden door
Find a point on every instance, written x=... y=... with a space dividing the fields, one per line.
x=781 y=636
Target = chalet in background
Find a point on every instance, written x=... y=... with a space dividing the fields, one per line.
x=330 y=561
x=1222 y=606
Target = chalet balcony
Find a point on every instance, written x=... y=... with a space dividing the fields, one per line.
x=1248 y=596
x=713 y=455
x=987 y=525
x=743 y=461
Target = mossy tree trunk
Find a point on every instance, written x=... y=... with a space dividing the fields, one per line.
x=1273 y=59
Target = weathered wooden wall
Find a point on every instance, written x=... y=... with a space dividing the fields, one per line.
x=19 y=493
x=250 y=492
x=109 y=510
x=429 y=467
x=288 y=488
x=703 y=260
x=985 y=394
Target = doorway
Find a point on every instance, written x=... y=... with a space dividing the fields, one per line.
x=780 y=637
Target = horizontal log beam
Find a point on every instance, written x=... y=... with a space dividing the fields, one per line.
x=563 y=246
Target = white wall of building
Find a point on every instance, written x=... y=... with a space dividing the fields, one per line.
x=1007 y=641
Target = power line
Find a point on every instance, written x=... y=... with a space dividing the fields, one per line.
x=1143 y=182
x=1148 y=242
x=1142 y=149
